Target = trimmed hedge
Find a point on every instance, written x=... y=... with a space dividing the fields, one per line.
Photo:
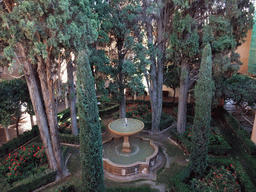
x=68 y=187
x=165 y=122
x=17 y=142
x=130 y=189
x=242 y=135
x=178 y=183
x=34 y=182
x=109 y=110
x=65 y=114
x=186 y=144
x=68 y=138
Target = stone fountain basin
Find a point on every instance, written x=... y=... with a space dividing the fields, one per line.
x=124 y=164
x=118 y=127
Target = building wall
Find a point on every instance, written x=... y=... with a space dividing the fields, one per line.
x=244 y=51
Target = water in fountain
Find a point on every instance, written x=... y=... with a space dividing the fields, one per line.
x=140 y=150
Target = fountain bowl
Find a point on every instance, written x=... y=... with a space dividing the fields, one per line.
x=119 y=126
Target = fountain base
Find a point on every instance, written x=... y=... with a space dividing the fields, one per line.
x=143 y=156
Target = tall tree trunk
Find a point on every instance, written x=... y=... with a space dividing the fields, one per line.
x=31 y=120
x=183 y=97
x=122 y=107
x=45 y=76
x=51 y=148
x=174 y=92
x=72 y=98
x=7 y=135
x=121 y=55
x=155 y=81
x=17 y=125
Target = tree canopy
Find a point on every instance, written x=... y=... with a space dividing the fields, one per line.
x=13 y=95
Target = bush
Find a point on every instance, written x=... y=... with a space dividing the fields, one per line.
x=34 y=182
x=242 y=135
x=130 y=189
x=68 y=138
x=217 y=145
x=66 y=188
x=22 y=163
x=143 y=113
x=183 y=182
x=17 y=142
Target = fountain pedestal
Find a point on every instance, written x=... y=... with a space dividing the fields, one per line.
x=126 y=145
x=126 y=127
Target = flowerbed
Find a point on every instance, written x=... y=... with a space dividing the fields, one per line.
x=217 y=144
x=219 y=178
x=222 y=174
x=23 y=163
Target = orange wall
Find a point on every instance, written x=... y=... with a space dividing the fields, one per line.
x=244 y=51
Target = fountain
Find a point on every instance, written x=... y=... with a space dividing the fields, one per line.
x=131 y=156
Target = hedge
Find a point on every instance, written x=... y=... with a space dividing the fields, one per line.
x=34 y=182
x=164 y=123
x=17 y=142
x=130 y=189
x=68 y=138
x=65 y=114
x=109 y=110
x=184 y=142
x=242 y=135
x=165 y=103
x=178 y=183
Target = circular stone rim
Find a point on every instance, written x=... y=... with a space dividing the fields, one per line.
x=126 y=133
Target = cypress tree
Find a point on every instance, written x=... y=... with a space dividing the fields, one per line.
x=201 y=127
x=90 y=134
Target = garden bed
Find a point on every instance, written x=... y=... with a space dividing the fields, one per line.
x=223 y=174
x=217 y=144
x=242 y=135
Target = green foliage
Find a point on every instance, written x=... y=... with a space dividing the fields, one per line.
x=34 y=182
x=181 y=182
x=90 y=133
x=217 y=144
x=119 y=20
x=171 y=76
x=130 y=189
x=143 y=112
x=241 y=88
x=23 y=163
x=201 y=126
x=13 y=94
x=69 y=138
x=17 y=142
x=218 y=179
x=242 y=136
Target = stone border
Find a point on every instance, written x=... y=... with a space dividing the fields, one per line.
x=134 y=168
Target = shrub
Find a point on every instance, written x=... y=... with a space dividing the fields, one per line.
x=17 y=142
x=66 y=188
x=242 y=135
x=130 y=189
x=220 y=178
x=217 y=145
x=34 y=182
x=143 y=113
x=219 y=168
x=22 y=163
x=68 y=138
